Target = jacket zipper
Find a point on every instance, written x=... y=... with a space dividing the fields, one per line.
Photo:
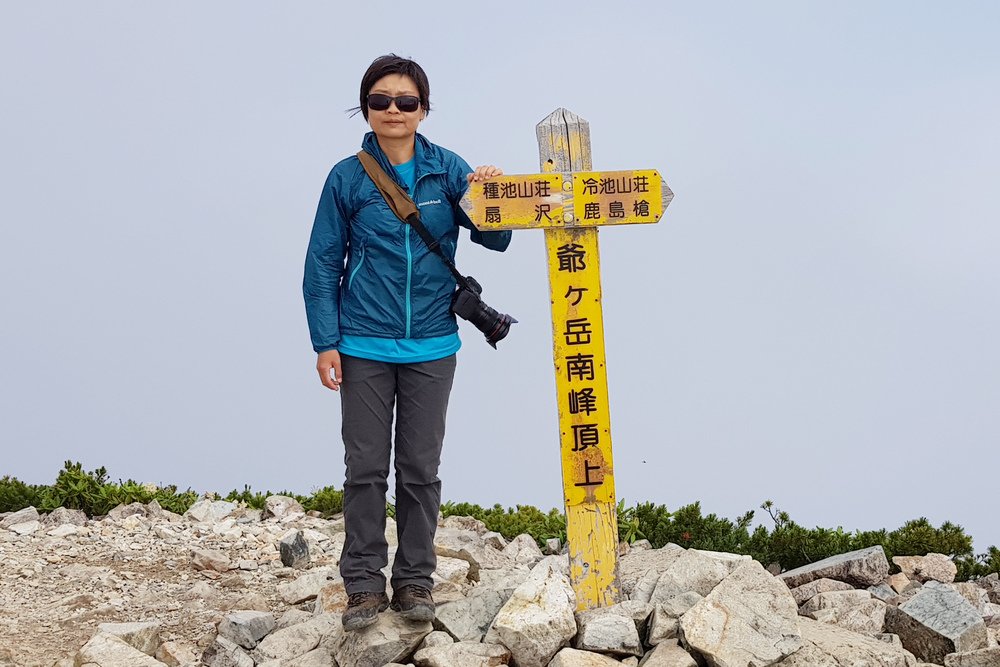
x=361 y=260
x=409 y=272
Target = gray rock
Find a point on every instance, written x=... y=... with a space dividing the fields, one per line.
x=642 y=590
x=143 y=636
x=307 y=586
x=937 y=621
x=668 y=654
x=607 y=630
x=468 y=546
x=898 y=582
x=224 y=653
x=104 y=650
x=830 y=646
x=991 y=584
x=294 y=550
x=834 y=600
x=61 y=516
x=122 y=511
x=318 y=657
x=247 y=628
x=863 y=568
x=468 y=618
x=209 y=511
x=26 y=527
x=571 y=657
x=538 y=619
x=802 y=594
x=553 y=546
x=645 y=563
x=882 y=592
x=975 y=595
x=210 y=559
x=299 y=639
x=664 y=621
x=986 y=657
x=436 y=638
x=523 y=550
x=932 y=567
x=748 y=619
x=691 y=571
x=282 y=507
x=390 y=639
x=21 y=516
x=462 y=654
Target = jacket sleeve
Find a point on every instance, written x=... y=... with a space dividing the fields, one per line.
x=459 y=184
x=324 y=268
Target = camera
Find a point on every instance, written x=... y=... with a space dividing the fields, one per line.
x=467 y=304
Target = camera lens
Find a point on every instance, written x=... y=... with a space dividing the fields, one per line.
x=494 y=325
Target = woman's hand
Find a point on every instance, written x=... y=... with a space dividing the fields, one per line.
x=484 y=172
x=325 y=362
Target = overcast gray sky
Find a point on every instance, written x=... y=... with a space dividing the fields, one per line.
x=815 y=320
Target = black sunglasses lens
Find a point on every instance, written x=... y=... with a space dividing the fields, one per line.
x=378 y=102
x=407 y=103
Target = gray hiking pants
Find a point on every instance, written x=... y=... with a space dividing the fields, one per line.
x=419 y=392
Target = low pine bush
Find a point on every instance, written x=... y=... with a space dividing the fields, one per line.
x=786 y=542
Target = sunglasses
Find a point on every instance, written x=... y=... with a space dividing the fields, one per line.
x=405 y=103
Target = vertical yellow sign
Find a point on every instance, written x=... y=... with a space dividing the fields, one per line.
x=581 y=376
x=584 y=419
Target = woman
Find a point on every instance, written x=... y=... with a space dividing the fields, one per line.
x=378 y=304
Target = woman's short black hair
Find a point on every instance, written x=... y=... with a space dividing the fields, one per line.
x=393 y=64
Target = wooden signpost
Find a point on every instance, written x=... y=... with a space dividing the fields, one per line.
x=569 y=201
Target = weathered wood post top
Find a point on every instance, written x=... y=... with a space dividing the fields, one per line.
x=569 y=201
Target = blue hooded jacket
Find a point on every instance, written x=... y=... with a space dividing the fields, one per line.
x=367 y=273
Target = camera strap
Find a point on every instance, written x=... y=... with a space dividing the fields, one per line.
x=406 y=210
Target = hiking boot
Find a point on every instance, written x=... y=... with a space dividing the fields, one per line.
x=363 y=608
x=413 y=602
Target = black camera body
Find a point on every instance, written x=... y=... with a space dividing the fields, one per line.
x=467 y=304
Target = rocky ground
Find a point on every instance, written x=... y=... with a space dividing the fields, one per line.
x=225 y=586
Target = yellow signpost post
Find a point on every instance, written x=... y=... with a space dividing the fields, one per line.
x=569 y=201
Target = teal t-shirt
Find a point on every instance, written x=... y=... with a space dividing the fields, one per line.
x=401 y=350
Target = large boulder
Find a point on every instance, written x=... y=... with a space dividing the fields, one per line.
x=691 y=571
x=830 y=646
x=462 y=654
x=750 y=619
x=299 y=639
x=246 y=628
x=571 y=657
x=26 y=515
x=468 y=618
x=862 y=568
x=802 y=594
x=607 y=630
x=932 y=567
x=391 y=638
x=104 y=650
x=143 y=636
x=664 y=622
x=986 y=657
x=538 y=619
x=937 y=621
x=668 y=654
x=469 y=546
x=639 y=563
x=853 y=610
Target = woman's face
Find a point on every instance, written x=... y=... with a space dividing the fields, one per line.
x=393 y=123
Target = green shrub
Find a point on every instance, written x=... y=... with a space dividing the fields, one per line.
x=327 y=501
x=513 y=522
x=16 y=495
x=786 y=542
